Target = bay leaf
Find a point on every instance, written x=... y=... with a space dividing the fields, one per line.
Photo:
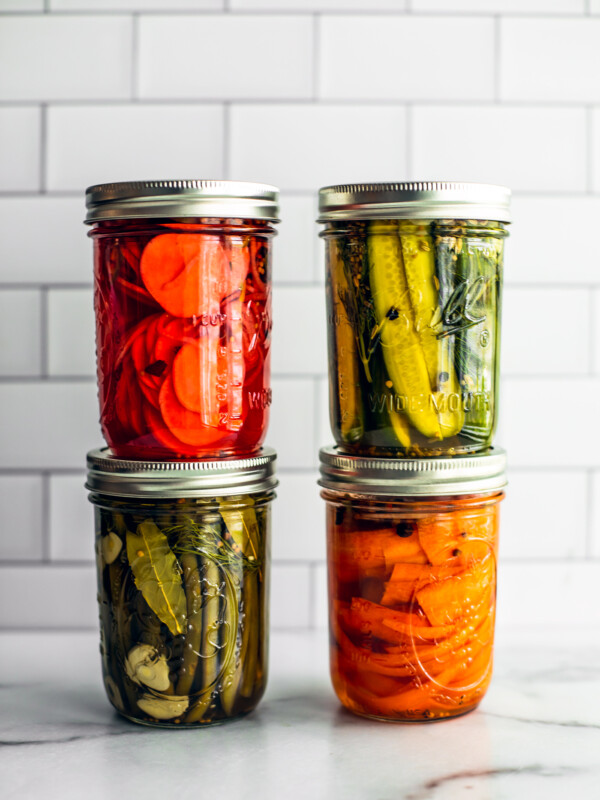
x=156 y=574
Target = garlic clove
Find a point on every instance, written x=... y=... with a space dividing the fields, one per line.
x=111 y=547
x=144 y=665
x=163 y=707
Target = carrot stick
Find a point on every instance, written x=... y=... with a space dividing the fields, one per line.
x=445 y=600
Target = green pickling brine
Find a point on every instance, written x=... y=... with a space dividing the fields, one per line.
x=414 y=286
x=182 y=552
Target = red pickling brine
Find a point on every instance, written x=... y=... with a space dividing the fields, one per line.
x=183 y=329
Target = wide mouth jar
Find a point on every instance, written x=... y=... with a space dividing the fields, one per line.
x=412 y=552
x=183 y=558
x=414 y=285
x=182 y=296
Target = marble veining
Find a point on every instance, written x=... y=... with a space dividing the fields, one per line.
x=534 y=735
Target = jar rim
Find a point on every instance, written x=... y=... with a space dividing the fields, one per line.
x=181 y=199
x=415 y=200
x=479 y=473
x=110 y=475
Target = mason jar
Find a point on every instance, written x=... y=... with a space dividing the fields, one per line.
x=414 y=279
x=182 y=551
x=182 y=275
x=412 y=548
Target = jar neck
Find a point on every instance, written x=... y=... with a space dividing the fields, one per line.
x=437 y=503
x=456 y=228
x=207 y=225
x=183 y=504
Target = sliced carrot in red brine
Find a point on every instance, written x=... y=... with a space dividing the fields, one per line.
x=183 y=272
x=186 y=425
x=195 y=377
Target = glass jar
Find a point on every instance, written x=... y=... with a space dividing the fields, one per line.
x=182 y=551
x=412 y=549
x=414 y=277
x=182 y=273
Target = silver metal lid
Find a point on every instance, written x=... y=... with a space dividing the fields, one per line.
x=469 y=474
x=108 y=474
x=420 y=200
x=182 y=198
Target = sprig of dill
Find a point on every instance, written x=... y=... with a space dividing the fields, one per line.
x=357 y=300
x=211 y=540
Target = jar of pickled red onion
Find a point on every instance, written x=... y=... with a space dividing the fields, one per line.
x=182 y=276
x=412 y=551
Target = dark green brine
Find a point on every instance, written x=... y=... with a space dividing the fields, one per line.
x=183 y=606
x=414 y=334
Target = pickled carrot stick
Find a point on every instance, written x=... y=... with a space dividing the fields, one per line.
x=445 y=600
x=374 y=553
x=475 y=627
x=406 y=579
x=361 y=663
x=441 y=686
x=421 y=701
x=418 y=632
x=468 y=535
x=409 y=624
x=362 y=658
x=398 y=549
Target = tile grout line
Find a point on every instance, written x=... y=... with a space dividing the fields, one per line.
x=312 y=587
x=589 y=147
x=317 y=403
x=283 y=99
x=44 y=325
x=43 y=147
x=589 y=533
x=46 y=548
x=134 y=88
x=409 y=141
x=226 y=139
x=316 y=55
x=497 y=43
x=592 y=333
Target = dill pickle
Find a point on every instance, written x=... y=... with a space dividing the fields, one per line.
x=477 y=343
x=422 y=300
x=209 y=645
x=402 y=347
x=419 y=266
x=345 y=392
x=230 y=680
x=191 y=647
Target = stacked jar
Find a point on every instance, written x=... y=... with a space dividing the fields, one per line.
x=182 y=493
x=413 y=483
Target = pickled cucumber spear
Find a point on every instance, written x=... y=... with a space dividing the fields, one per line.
x=402 y=348
x=419 y=267
x=344 y=344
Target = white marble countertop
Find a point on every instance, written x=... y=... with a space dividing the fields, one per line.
x=536 y=734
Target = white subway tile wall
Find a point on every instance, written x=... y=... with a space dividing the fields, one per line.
x=300 y=94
